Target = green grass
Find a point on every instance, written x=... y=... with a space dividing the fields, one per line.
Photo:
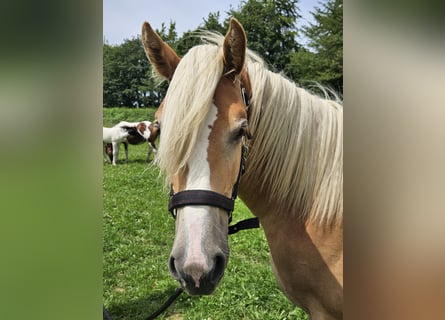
x=112 y=116
x=138 y=236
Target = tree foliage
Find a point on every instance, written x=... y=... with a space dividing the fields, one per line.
x=271 y=27
x=325 y=63
x=125 y=74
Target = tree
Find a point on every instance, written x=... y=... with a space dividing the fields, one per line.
x=127 y=73
x=133 y=70
x=111 y=90
x=326 y=39
x=124 y=73
x=212 y=23
x=271 y=29
x=302 y=66
x=190 y=38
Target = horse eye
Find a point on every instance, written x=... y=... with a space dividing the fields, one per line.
x=241 y=131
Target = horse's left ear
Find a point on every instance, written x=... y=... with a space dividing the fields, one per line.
x=234 y=48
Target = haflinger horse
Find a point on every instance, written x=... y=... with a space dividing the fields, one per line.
x=293 y=180
x=129 y=133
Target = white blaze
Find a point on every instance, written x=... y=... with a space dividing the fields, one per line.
x=193 y=219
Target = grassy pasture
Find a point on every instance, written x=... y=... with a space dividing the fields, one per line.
x=112 y=116
x=138 y=235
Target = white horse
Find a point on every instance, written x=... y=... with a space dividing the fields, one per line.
x=125 y=132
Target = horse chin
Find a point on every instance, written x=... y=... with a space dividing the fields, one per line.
x=203 y=290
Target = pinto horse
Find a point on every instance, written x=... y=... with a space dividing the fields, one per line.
x=129 y=133
x=135 y=137
x=293 y=180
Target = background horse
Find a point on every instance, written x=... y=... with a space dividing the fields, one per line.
x=128 y=133
x=293 y=180
x=135 y=138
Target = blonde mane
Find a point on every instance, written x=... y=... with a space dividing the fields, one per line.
x=298 y=146
x=298 y=136
x=194 y=88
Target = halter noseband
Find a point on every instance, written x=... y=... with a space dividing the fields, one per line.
x=208 y=197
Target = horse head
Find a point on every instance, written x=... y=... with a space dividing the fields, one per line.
x=204 y=120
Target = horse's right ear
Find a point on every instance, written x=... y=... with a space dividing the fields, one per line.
x=160 y=54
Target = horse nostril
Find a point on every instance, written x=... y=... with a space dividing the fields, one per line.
x=172 y=268
x=218 y=270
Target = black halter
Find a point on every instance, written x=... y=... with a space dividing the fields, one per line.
x=208 y=197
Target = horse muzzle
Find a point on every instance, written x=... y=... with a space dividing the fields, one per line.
x=198 y=278
x=200 y=250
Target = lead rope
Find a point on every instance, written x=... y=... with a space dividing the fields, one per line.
x=241 y=225
x=167 y=304
x=250 y=223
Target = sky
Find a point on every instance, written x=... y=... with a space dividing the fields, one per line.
x=122 y=19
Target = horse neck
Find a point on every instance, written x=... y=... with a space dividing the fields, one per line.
x=295 y=158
